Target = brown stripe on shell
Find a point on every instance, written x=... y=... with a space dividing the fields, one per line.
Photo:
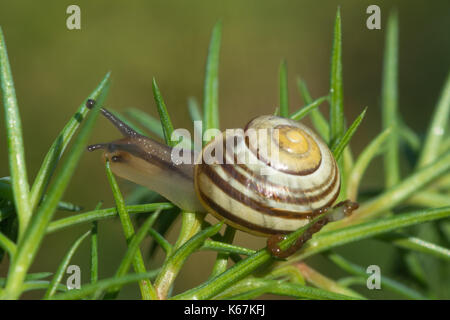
x=238 y=221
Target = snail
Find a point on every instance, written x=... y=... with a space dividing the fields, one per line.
x=276 y=176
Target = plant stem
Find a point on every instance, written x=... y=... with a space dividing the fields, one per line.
x=191 y=224
x=363 y=162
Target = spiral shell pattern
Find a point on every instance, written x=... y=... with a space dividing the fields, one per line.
x=270 y=177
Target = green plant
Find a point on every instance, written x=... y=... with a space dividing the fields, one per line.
x=26 y=213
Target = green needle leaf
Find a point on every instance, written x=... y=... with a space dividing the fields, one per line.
x=16 y=152
x=102 y=214
x=165 y=245
x=8 y=245
x=211 y=86
x=308 y=108
x=340 y=144
x=336 y=90
x=225 y=247
x=163 y=115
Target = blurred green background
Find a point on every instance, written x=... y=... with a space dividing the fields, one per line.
x=55 y=68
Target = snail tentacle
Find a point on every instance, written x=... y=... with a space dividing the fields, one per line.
x=125 y=129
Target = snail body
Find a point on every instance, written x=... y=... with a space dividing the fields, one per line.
x=276 y=176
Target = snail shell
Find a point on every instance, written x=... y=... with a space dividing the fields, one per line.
x=269 y=183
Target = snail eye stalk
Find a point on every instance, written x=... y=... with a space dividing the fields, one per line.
x=126 y=130
x=97 y=146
